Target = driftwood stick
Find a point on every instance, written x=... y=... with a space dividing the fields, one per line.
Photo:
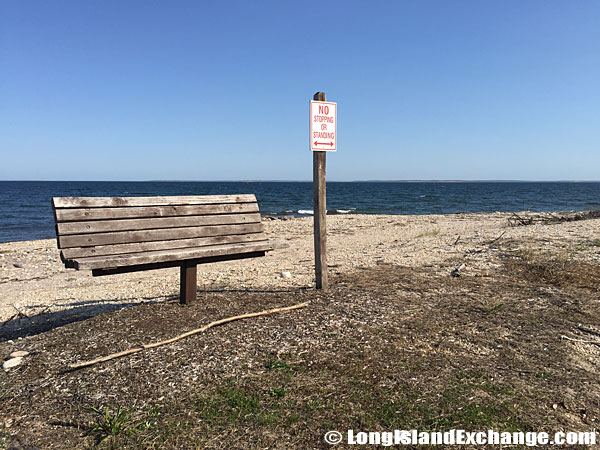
x=552 y=218
x=8 y=320
x=498 y=238
x=184 y=335
x=21 y=313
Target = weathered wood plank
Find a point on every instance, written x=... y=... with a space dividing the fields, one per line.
x=161 y=234
x=117 y=249
x=129 y=212
x=104 y=262
x=98 y=202
x=103 y=226
x=320 y=217
x=320 y=211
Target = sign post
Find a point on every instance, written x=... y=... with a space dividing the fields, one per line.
x=323 y=138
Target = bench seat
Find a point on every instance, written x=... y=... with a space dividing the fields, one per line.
x=157 y=256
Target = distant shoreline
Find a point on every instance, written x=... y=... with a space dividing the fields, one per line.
x=299 y=181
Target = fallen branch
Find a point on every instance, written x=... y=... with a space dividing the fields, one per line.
x=516 y=220
x=498 y=238
x=552 y=218
x=9 y=319
x=21 y=313
x=184 y=335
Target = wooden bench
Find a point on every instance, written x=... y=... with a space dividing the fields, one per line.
x=112 y=235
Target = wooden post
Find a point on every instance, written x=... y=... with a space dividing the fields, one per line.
x=187 y=282
x=320 y=211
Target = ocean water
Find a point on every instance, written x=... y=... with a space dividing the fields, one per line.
x=27 y=211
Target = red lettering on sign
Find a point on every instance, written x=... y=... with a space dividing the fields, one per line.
x=323 y=109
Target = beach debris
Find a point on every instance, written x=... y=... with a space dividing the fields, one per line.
x=456 y=272
x=20 y=314
x=13 y=362
x=516 y=220
x=18 y=266
x=457 y=239
x=286 y=275
x=497 y=239
x=184 y=335
x=19 y=354
x=8 y=320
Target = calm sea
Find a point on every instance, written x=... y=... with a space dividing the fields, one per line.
x=27 y=213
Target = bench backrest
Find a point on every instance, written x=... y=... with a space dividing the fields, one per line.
x=103 y=226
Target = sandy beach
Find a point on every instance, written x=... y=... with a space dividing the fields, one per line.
x=35 y=283
x=511 y=343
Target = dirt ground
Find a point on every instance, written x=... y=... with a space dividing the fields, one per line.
x=389 y=346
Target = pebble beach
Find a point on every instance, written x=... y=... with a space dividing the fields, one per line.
x=35 y=285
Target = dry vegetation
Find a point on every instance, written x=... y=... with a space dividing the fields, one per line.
x=511 y=347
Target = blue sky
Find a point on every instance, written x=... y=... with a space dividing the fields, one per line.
x=219 y=90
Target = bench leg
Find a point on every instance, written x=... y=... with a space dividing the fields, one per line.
x=187 y=283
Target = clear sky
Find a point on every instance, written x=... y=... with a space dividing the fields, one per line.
x=220 y=90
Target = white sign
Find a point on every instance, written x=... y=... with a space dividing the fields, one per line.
x=323 y=126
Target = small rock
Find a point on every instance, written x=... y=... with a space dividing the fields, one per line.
x=18 y=266
x=286 y=275
x=19 y=354
x=13 y=362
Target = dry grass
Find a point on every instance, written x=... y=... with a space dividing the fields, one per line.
x=556 y=269
x=387 y=347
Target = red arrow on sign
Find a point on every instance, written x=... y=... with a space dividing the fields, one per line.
x=324 y=143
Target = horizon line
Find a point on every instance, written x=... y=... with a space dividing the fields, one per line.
x=310 y=181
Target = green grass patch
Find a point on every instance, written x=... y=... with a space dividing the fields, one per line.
x=277 y=392
x=490 y=307
x=277 y=364
x=316 y=399
x=228 y=405
x=111 y=422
